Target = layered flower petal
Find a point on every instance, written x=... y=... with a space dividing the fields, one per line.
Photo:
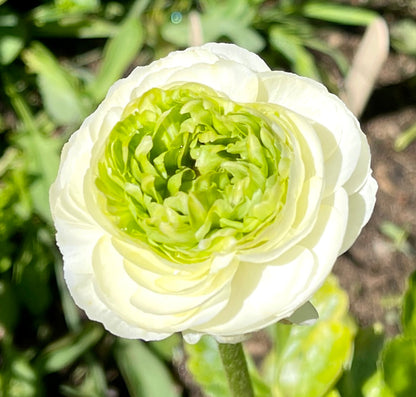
x=209 y=195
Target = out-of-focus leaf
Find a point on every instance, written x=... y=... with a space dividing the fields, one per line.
x=399 y=236
x=328 y=11
x=65 y=351
x=405 y=138
x=33 y=272
x=291 y=47
x=12 y=36
x=399 y=366
x=231 y=19
x=88 y=27
x=42 y=152
x=94 y=382
x=9 y=309
x=308 y=360
x=367 y=347
x=119 y=53
x=403 y=34
x=145 y=375
x=409 y=309
x=165 y=348
x=60 y=91
x=204 y=363
x=338 y=57
x=71 y=312
x=333 y=393
x=376 y=387
x=17 y=377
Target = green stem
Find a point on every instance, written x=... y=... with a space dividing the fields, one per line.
x=235 y=365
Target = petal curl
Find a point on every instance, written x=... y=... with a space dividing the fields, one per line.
x=312 y=100
x=263 y=293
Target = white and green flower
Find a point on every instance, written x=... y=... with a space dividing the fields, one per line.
x=209 y=195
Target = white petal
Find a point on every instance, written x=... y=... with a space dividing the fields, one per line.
x=234 y=80
x=312 y=100
x=263 y=293
x=237 y=54
x=361 y=206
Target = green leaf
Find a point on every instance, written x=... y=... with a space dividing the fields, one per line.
x=9 y=312
x=230 y=18
x=12 y=36
x=409 y=308
x=291 y=47
x=18 y=378
x=93 y=384
x=119 y=53
x=42 y=152
x=61 y=93
x=33 y=272
x=70 y=310
x=145 y=375
x=402 y=34
x=376 y=387
x=67 y=350
x=166 y=348
x=367 y=347
x=399 y=236
x=399 y=366
x=405 y=138
x=204 y=363
x=338 y=57
x=308 y=360
x=327 y=11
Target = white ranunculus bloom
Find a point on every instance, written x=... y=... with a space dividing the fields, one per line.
x=209 y=195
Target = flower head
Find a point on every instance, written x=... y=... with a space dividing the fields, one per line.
x=209 y=195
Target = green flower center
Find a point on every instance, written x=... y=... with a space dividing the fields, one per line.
x=190 y=173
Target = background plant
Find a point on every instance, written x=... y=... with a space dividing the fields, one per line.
x=57 y=61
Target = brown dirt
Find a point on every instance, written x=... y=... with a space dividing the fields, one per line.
x=374 y=270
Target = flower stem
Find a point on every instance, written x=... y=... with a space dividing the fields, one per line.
x=235 y=365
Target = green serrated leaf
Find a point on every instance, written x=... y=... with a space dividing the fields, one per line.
x=409 y=308
x=65 y=351
x=327 y=11
x=145 y=375
x=308 y=360
x=399 y=366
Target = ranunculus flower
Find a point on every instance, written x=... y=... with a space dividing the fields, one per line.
x=209 y=195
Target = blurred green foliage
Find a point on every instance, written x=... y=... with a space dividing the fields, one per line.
x=57 y=61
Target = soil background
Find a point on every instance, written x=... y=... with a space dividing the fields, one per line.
x=374 y=271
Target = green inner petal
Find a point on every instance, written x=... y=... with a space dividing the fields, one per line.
x=191 y=174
